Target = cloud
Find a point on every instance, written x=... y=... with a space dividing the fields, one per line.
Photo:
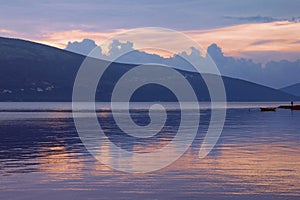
x=246 y=38
x=294 y=19
x=258 y=18
x=273 y=74
x=118 y=48
x=270 y=74
x=84 y=47
x=262 y=19
x=5 y=31
x=61 y=38
x=266 y=42
x=238 y=40
x=125 y=52
x=297 y=42
x=35 y=17
x=268 y=56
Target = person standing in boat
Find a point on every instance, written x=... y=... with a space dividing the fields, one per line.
x=292 y=103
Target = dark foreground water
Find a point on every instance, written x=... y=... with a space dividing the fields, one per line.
x=42 y=157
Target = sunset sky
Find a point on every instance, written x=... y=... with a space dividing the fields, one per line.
x=261 y=30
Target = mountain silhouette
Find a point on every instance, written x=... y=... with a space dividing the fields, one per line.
x=292 y=89
x=35 y=72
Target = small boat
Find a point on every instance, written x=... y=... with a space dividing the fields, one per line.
x=268 y=109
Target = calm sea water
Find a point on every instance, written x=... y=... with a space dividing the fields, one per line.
x=42 y=156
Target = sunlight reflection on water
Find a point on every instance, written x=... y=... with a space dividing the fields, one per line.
x=257 y=156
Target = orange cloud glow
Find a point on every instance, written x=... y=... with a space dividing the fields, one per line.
x=280 y=36
x=264 y=37
x=6 y=32
x=61 y=39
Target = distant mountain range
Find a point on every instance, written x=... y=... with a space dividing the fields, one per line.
x=34 y=72
x=292 y=89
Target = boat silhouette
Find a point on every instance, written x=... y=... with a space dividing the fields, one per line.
x=268 y=109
